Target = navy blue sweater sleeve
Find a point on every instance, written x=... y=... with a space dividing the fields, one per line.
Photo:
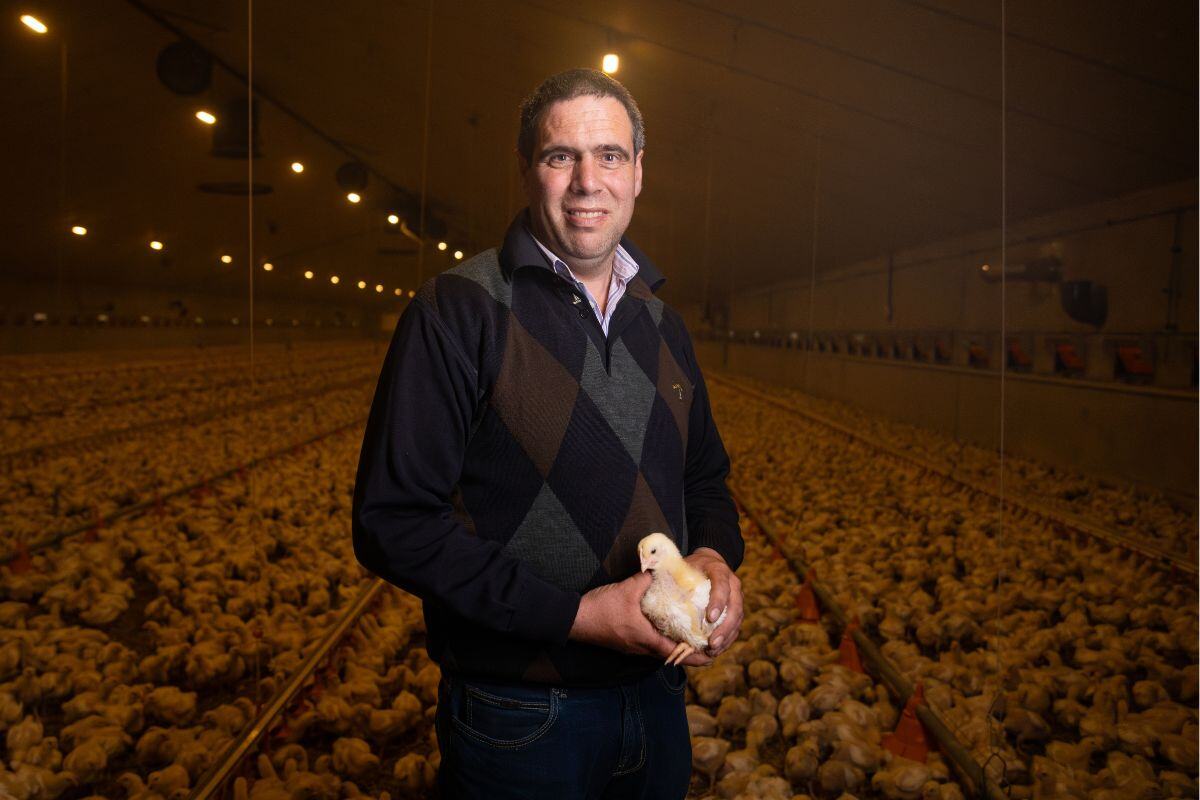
x=712 y=517
x=412 y=455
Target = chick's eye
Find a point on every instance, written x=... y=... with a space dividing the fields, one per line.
x=652 y=550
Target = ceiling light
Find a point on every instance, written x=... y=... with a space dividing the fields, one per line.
x=411 y=293
x=362 y=284
x=379 y=287
x=227 y=259
x=156 y=245
x=267 y=267
x=986 y=267
x=146 y=318
x=609 y=63
x=458 y=254
x=206 y=117
x=308 y=274
x=441 y=245
x=33 y=23
x=397 y=293
x=79 y=230
x=297 y=167
x=393 y=219
x=334 y=279
x=353 y=197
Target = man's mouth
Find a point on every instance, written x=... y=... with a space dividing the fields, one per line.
x=585 y=215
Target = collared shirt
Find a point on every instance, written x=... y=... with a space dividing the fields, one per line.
x=624 y=268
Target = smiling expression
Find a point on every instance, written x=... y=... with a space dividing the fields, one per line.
x=583 y=181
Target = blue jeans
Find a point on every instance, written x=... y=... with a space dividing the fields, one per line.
x=628 y=741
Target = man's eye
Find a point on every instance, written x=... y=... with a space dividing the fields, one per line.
x=610 y=158
x=558 y=159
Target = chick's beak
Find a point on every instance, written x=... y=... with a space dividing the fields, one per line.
x=645 y=562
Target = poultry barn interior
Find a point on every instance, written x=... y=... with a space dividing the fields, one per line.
x=938 y=262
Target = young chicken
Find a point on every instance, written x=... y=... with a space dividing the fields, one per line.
x=677 y=597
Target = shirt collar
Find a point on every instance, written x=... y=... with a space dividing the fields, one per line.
x=520 y=249
x=624 y=267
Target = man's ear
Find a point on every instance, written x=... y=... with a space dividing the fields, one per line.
x=637 y=172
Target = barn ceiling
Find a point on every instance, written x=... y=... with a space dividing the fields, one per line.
x=776 y=129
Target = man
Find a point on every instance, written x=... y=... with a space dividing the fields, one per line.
x=538 y=413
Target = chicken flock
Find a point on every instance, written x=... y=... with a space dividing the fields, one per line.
x=130 y=658
x=1068 y=669
x=64 y=486
x=48 y=407
x=1134 y=511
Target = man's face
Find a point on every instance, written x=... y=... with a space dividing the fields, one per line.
x=583 y=180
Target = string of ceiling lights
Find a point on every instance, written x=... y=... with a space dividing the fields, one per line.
x=207 y=117
x=609 y=64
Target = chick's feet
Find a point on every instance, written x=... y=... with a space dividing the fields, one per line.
x=681 y=651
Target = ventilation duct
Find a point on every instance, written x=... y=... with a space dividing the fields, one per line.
x=352 y=176
x=1085 y=302
x=232 y=129
x=184 y=68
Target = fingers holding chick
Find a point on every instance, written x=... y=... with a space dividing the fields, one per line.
x=727 y=632
x=725 y=596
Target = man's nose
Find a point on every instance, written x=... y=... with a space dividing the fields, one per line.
x=585 y=179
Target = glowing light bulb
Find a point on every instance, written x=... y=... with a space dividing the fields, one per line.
x=308 y=274
x=393 y=219
x=334 y=279
x=458 y=254
x=267 y=267
x=362 y=284
x=397 y=293
x=297 y=167
x=441 y=245
x=206 y=117
x=156 y=245
x=79 y=230
x=610 y=63
x=353 y=197
x=226 y=259
x=33 y=23
x=411 y=293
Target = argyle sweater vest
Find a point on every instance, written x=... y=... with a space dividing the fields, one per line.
x=575 y=453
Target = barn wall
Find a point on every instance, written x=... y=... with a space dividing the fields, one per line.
x=1142 y=434
x=125 y=306
x=1125 y=244
x=1146 y=434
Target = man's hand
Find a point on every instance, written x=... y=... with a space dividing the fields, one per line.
x=726 y=592
x=611 y=616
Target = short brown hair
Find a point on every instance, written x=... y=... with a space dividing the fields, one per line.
x=567 y=86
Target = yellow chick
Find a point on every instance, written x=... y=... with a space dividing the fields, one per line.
x=677 y=597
